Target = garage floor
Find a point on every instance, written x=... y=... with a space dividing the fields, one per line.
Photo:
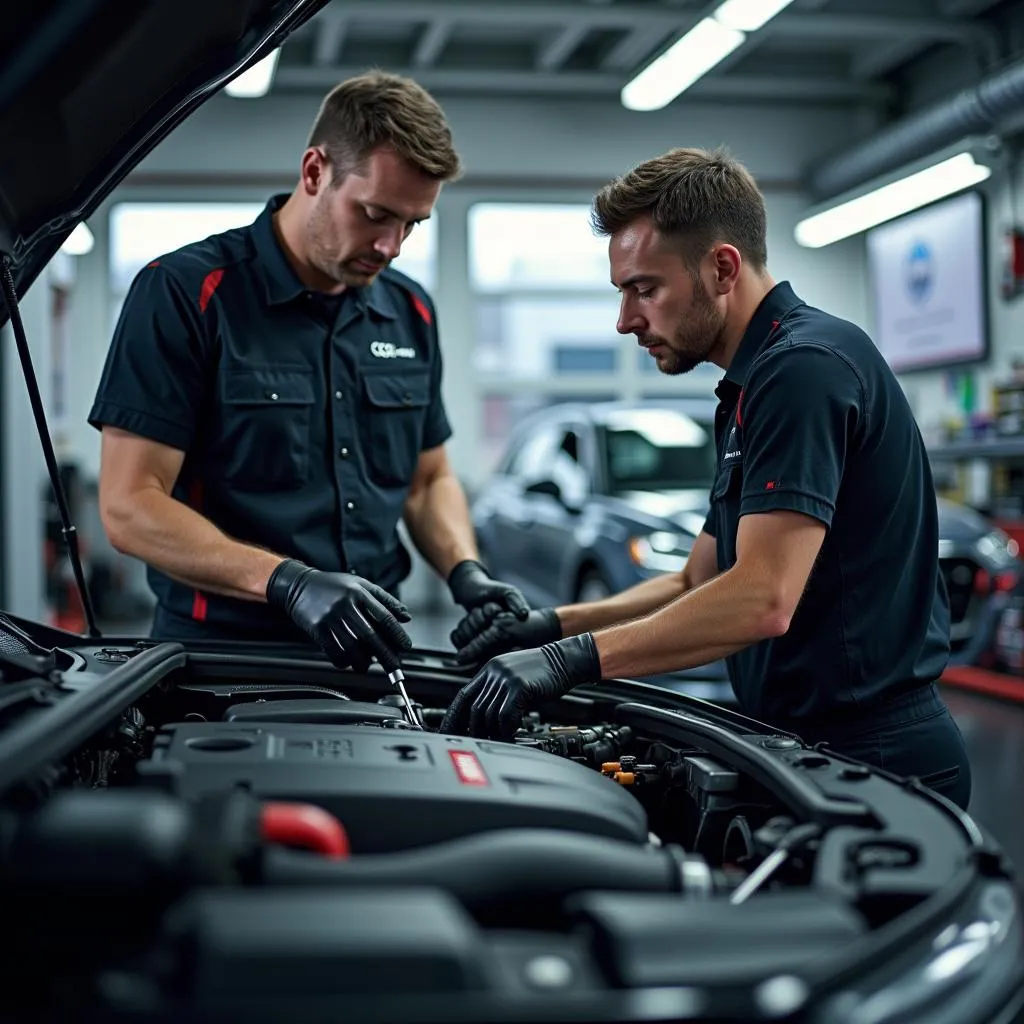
x=994 y=731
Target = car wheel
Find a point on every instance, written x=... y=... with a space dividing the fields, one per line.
x=592 y=587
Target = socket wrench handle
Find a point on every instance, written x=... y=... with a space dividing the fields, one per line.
x=396 y=677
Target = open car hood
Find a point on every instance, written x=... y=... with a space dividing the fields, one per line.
x=89 y=87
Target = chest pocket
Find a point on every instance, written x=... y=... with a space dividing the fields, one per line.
x=395 y=409
x=729 y=482
x=267 y=424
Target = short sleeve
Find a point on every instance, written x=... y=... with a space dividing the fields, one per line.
x=709 y=522
x=437 y=429
x=155 y=376
x=800 y=411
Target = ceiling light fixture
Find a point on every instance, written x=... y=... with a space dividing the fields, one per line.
x=690 y=58
x=254 y=81
x=892 y=200
x=749 y=15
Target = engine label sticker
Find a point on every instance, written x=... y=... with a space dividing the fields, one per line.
x=468 y=768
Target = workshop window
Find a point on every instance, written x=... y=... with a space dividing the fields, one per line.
x=535 y=246
x=140 y=232
x=537 y=337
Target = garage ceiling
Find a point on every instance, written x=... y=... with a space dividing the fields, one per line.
x=842 y=51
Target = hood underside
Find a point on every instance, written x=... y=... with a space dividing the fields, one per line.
x=89 y=87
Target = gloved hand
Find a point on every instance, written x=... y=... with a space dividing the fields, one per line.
x=349 y=617
x=472 y=587
x=485 y=632
x=493 y=703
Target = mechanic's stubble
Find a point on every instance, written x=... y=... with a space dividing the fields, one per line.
x=683 y=313
x=341 y=232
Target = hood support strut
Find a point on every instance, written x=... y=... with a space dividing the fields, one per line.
x=67 y=527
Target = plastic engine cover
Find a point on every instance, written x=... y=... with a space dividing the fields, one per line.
x=394 y=790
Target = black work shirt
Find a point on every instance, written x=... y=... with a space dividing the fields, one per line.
x=302 y=415
x=812 y=419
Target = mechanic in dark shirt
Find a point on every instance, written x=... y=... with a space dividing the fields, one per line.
x=271 y=402
x=816 y=575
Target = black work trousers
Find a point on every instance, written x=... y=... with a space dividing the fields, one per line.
x=913 y=735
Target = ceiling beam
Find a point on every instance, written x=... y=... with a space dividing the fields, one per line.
x=880 y=59
x=430 y=43
x=329 y=39
x=831 y=25
x=553 y=54
x=820 y=24
x=754 y=88
x=965 y=8
x=633 y=48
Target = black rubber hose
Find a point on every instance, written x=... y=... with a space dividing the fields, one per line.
x=493 y=870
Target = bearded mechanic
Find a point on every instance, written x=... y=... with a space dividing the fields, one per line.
x=271 y=403
x=816 y=575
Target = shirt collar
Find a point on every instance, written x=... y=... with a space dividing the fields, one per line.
x=283 y=284
x=773 y=309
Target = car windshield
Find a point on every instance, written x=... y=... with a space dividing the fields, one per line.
x=658 y=450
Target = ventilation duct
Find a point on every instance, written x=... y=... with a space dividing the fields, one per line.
x=974 y=111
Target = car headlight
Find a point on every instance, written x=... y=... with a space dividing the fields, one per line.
x=997 y=544
x=661 y=551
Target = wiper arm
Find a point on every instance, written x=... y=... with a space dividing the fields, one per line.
x=17 y=667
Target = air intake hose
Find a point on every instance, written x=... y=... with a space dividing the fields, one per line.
x=510 y=869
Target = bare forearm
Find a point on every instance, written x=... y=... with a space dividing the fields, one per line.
x=437 y=516
x=641 y=599
x=720 y=617
x=171 y=537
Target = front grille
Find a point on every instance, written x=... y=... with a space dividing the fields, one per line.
x=959 y=574
x=11 y=644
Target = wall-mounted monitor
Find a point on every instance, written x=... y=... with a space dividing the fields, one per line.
x=928 y=279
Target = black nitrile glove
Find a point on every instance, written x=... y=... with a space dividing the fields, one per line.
x=492 y=705
x=352 y=619
x=484 y=633
x=472 y=587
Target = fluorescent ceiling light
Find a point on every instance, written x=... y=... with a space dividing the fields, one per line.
x=79 y=242
x=748 y=15
x=255 y=81
x=692 y=57
x=892 y=200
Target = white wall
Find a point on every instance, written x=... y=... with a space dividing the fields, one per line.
x=513 y=139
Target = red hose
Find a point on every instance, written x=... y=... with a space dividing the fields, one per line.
x=306 y=826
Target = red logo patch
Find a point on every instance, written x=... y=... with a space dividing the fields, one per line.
x=468 y=768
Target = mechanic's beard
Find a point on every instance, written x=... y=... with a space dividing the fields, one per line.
x=694 y=339
x=324 y=244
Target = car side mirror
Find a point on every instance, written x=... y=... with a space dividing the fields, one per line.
x=548 y=487
x=553 y=490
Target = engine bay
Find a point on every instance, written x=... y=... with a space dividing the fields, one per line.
x=219 y=833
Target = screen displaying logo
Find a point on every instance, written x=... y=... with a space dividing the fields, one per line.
x=919 y=272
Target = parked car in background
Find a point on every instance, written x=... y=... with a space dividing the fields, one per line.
x=588 y=500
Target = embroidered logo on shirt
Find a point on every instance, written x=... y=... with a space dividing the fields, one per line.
x=389 y=350
x=731 y=451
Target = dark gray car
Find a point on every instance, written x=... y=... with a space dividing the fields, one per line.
x=591 y=499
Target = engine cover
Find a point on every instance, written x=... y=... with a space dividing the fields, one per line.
x=394 y=790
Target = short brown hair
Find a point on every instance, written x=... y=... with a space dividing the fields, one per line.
x=694 y=197
x=378 y=109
